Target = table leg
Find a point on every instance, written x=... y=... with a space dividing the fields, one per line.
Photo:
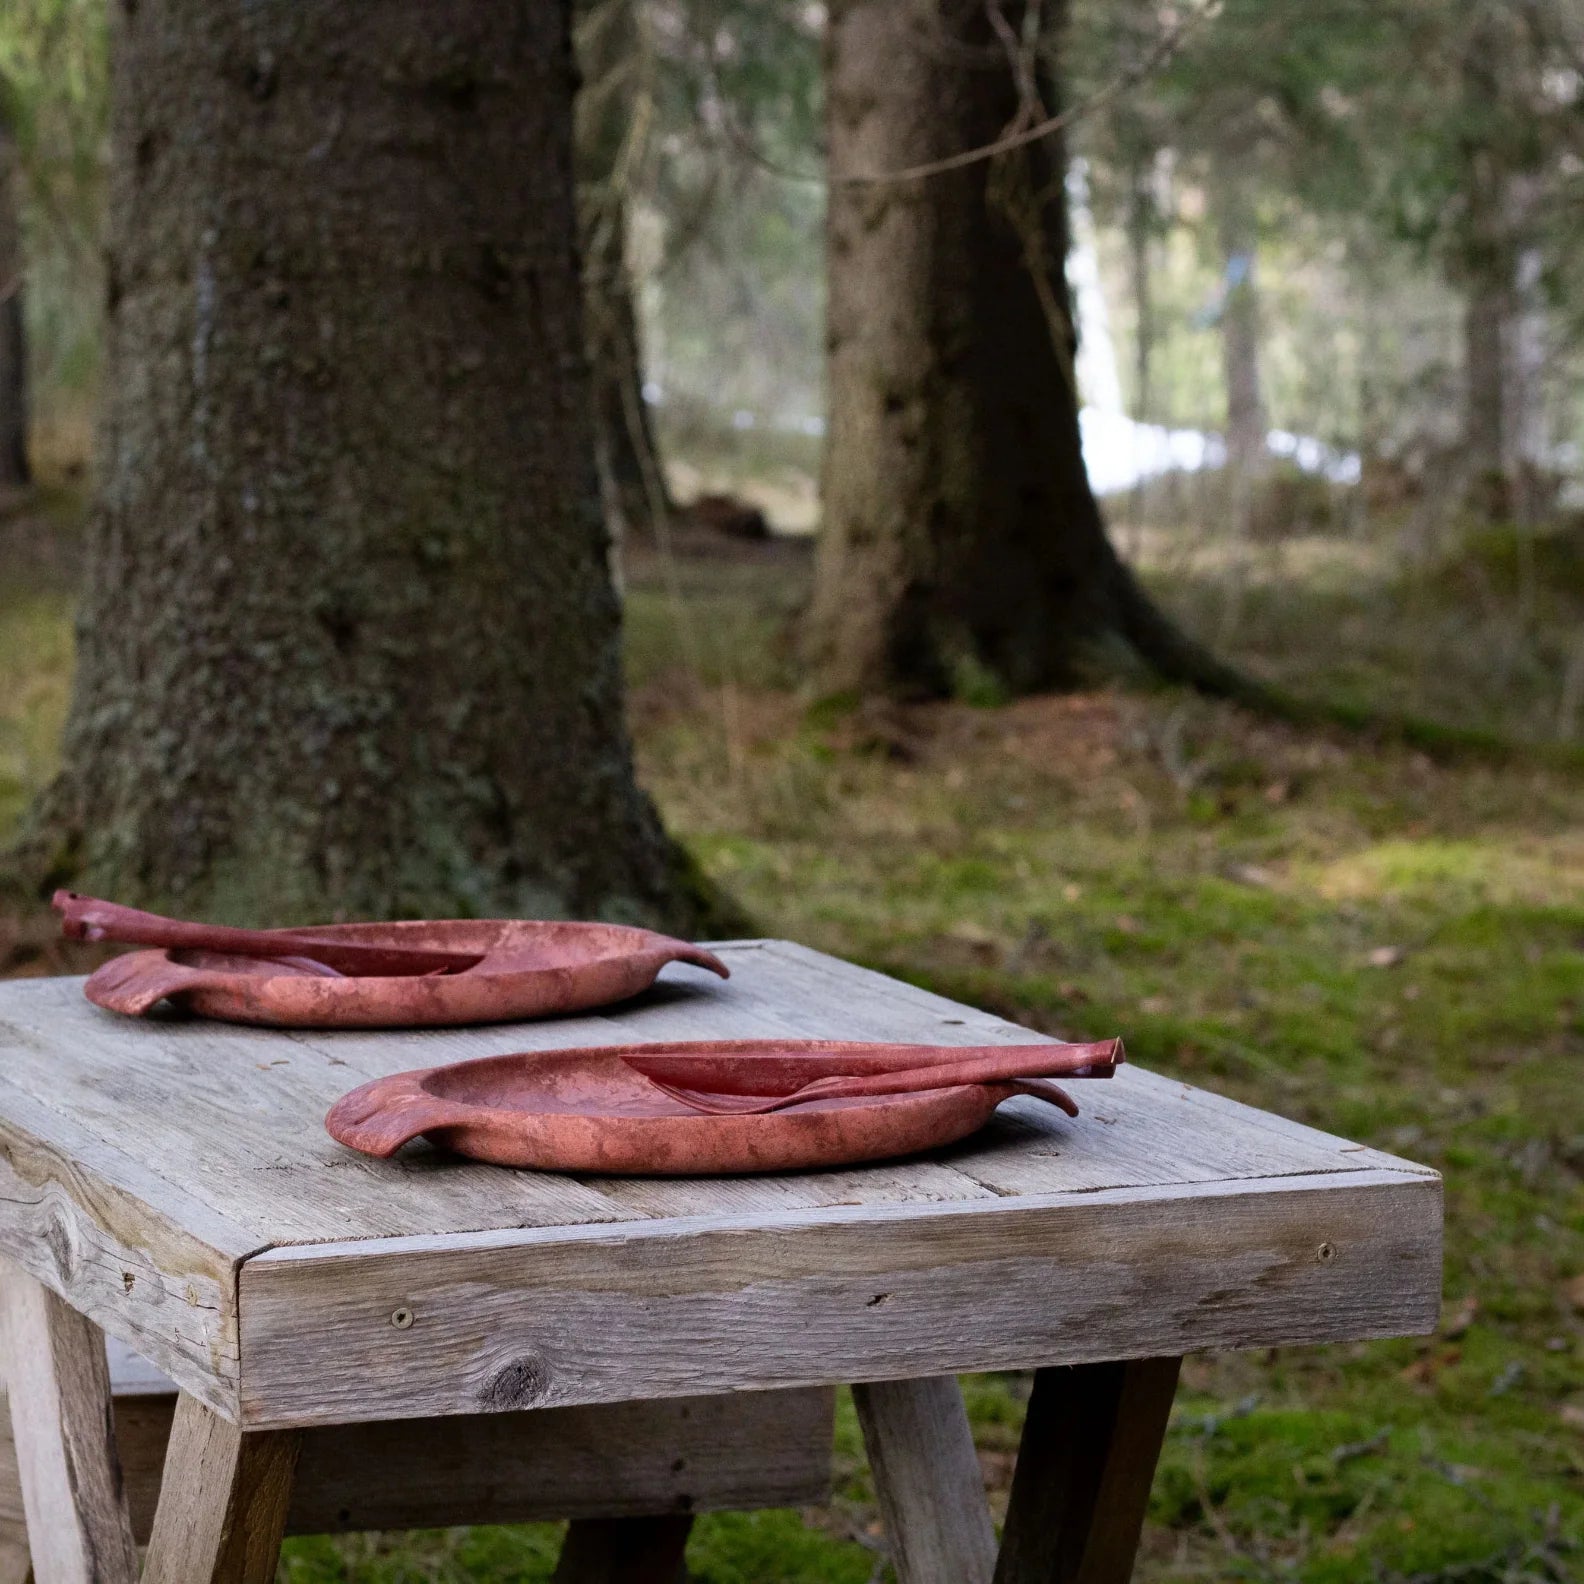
x=16 y=1566
x=223 y=1501
x=927 y=1477
x=58 y=1384
x=625 y=1550
x=1090 y=1444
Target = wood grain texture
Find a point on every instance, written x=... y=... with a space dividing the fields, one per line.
x=80 y=1217
x=228 y=1122
x=686 y=1454
x=1090 y=1443
x=511 y=1320
x=15 y=1563
x=649 y=1550
x=59 y=1391
x=927 y=1478
x=223 y=1501
x=230 y=1112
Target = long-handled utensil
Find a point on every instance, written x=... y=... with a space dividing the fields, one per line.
x=1024 y=1068
x=88 y=918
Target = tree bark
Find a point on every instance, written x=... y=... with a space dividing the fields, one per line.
x=961 y=540
x=14 y=472
x=348 y=644
x=632 y=481
x=1246 y=421
x=1486 y=315
x=1494 y=201
x=1140 y=231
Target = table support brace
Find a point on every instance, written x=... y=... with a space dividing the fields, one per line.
x=643 y=1550
x=59 y=1386
x=927 y=1478
x=223 y=1502
x=1090 y=1443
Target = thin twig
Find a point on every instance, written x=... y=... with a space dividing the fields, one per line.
x=1166 y=46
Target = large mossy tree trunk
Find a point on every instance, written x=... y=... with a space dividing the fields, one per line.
x=13 y=341
x=348 y=644
x=961 y=545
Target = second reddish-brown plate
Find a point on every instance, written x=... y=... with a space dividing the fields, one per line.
x=590 y=1111
x=529 y=969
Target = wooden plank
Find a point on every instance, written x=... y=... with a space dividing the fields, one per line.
x=231 y=1114
x=15 y=1564
x=223 y=1501
x=873 y=999
x=686 y=1454
x=657 y=1309
x=79 y=1216
x=688 y=1004
x=927 y=1477
x=1091 y=1439
x=648 y=1550
x=59 y=1390
x=1137 y=1128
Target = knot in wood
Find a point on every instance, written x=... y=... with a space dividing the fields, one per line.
x=60 y=1238
x=519 y=1384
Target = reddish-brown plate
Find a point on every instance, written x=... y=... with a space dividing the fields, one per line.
x=528 y=970
x=592 y=1111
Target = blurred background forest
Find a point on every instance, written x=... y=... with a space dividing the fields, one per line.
x=1325 y=272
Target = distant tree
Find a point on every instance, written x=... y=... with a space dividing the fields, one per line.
x=348 y=643
x=962 y=546
x=610 y=50
x=1234 y=201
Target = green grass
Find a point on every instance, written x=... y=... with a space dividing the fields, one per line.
x=35 y=673
x=1347 y=931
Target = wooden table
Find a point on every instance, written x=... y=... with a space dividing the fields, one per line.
x=170 y=1183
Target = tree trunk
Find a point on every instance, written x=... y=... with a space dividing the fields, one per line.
x=348 y=644
x=961 y=540
x=1490 y=255
x=1486 y=316
x=632 y=482
x=1246 y=422
x=632 y=479
x=1140 y=230
x=13 y=343
x=1528 y=358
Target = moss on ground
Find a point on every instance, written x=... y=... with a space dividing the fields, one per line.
x=1347 y=932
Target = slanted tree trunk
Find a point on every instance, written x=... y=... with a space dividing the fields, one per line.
x=13 y=341
x=632 y=483
x=348 y=644
x=961 y=539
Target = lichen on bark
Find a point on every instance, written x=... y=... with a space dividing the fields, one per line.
x=348 y=644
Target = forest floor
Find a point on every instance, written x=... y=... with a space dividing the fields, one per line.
x=1363 y=935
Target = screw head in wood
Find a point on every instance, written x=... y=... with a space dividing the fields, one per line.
x=1326 y=1253
x=402 y=1318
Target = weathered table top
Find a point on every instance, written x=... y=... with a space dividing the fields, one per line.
x=173 y=1180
